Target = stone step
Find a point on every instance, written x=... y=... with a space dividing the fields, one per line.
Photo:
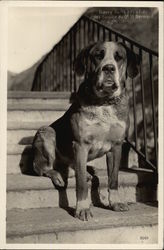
x=19 y=159
x=33 y=103
x=57 y=225
x=20 y=137
x=37 y=95
x=24 y=116
x=25 y=191
x=27 y=125
x=35 y=107
x=59 y=105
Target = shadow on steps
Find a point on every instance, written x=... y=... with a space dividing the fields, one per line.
x=26 y=140
x=26 y=161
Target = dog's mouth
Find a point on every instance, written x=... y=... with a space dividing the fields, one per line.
x=107 y=88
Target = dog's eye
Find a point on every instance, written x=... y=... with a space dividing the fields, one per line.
x=99 y=54
x=117 y=57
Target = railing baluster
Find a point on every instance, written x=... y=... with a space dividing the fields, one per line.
x=104 y=34
x=71 y=61
x=143 y=105
x=50 y=72
x=134 y=111
x=43 y=78
x=54 y=65
x=45 y=75
x=38 y=81
x=56 y=68
x=89 y=32
x=153 y=107
x=39 y=84
x=84 y=33
x=67 y=65
x=98 y=32
x=93 y=32
x=80 y=36
x=123 y=40
x=110 y=36
x=74 y=56
x=64 y=64
x=80 y=46
x=43 y=81
x=59 y=85
x=116 y=37
x=60 y=69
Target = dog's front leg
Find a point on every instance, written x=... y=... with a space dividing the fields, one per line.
x=82 y=203
x=113 y=160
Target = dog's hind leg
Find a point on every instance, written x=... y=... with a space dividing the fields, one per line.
x=45 y=168
x=44 y=145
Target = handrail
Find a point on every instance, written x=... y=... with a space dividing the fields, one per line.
x=105 y=26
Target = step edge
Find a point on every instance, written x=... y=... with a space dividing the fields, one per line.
x=103 y=186
x=26 y=109
x=92 y=227
x=72 y=185
x=38 y=94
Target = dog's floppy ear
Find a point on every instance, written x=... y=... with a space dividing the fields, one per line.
x=80 y=63
x=133 y=61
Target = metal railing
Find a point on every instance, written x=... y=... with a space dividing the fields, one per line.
x=55 y=73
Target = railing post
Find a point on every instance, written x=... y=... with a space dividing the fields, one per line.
x=143 y=105
x=153 y=108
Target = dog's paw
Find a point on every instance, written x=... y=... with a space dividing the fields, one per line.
x=57 y=180
x=83 y=211
x=83 y=214
x=119 y=207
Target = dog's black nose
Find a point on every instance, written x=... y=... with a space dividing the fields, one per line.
x=109 y=69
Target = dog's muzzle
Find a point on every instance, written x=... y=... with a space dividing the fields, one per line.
x=105 y=82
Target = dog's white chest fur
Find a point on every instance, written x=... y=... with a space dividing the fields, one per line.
x=103 y=128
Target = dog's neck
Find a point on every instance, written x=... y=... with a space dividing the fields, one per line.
x=87 y=97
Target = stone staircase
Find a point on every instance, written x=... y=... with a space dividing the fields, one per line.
x=38 y=213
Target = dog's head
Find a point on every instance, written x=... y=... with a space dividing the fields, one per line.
x=106 y=66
